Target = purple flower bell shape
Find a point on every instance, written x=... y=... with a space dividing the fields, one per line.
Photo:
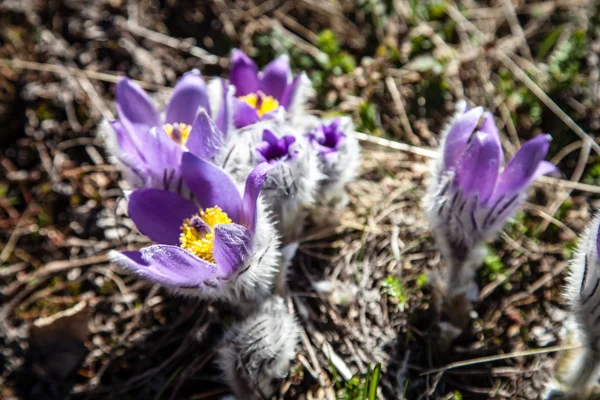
x=223 y=246
x=469 y=199
x=261 y=94
x=579 y=369
x=339 y=157
x=148 y=146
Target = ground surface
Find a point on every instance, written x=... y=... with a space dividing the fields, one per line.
x=397 y=68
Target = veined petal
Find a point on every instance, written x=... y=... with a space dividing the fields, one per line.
x=189 y=96
x=275 y=77
x=254 y=184
x=136 y=111
x=211 y=185
x=458 y=136
x=125 y=141
x=162 y=152
x=205 y=138
x=243 y=114
x=159 y=214
x=524 y=166
x=167 y=265
x=489 y=126
x=478 y=167
x=232 y=247
x=243 y=74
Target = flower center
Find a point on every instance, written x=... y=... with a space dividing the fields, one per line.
x=197 y=233
x=179 y=132
x=261 y=102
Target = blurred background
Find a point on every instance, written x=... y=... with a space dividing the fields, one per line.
x=397 y=67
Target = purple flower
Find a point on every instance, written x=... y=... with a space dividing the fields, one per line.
x=199 y=245
x=469 y=198
x=327 y=138
x=273 y=149
x=259 y=94
x=148 y=146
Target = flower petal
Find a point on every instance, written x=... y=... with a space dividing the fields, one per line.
x=189 y=96
x=159 y=214
x=243 y=114
x=136 y=111
x=458 y=136
x=126 y=143
x=524 y=166
x=275 y=77
x=287 y=98
x=243 y=74
x=205 y=138
x=167 y=265
x=211 y=185
x=232 y=247
x=478 y=168
x=254 y=184
x=489 y=126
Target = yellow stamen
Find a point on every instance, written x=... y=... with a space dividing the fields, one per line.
x=263 y=104
x=179 y=132
x=200 y=241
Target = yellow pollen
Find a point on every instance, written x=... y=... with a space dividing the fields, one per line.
x=198 y=242
x=179 y=132
x=263 y=104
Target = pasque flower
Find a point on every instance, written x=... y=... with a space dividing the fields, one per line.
x=149 y=146
x=257 y=352
x=339 y=158
x=260 y=94
x=469 y=199
x=221 y=246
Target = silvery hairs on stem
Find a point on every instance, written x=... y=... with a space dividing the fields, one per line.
x=468 y=199
x=291 y=186
x=583 y=294
x=256 y=353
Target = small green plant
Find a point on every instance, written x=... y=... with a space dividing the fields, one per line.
x=339 y=61
x=494 y=269
x=361 y=387
x=395 y=290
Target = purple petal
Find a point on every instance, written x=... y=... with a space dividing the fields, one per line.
x=254 y=184
x=243 y=114
x=243 y=74
x=275 y=77
x=287 y=98
x=136 y=111
x=126 y=141
x=478 y=167
x=458 y=136
x=205 y=138
x=167 y=265
x=159 y=214
x=161 y=151
x=188 y=97
x=232 y=247
x=211 y=185
x=524 y=166
x=489 y=126
x=269 y=137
